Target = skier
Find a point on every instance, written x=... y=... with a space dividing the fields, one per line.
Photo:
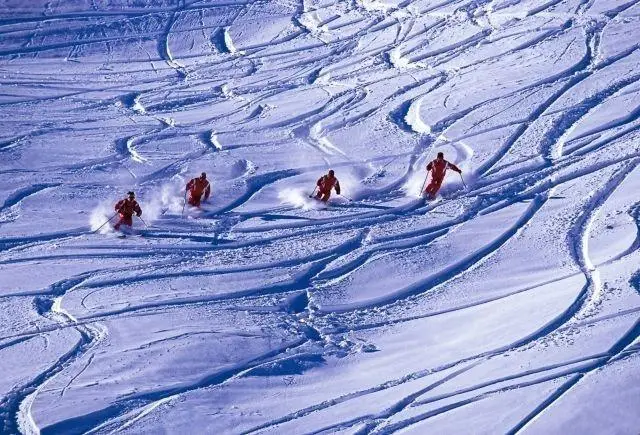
x=325 y=184
x=438 y=168
x=196 y=187
x=127 y=207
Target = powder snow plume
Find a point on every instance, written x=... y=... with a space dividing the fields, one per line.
x=168 y=199
x=415 y=183
x=102 y=213
x=299 y=199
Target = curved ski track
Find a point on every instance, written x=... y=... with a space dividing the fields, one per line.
x=157 y=90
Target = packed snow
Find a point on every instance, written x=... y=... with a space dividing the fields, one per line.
x=508 y=304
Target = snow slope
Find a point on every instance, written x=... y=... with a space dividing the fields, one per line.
x=508 y=306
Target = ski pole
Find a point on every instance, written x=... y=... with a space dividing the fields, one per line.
x=463 y=183
x=346 y=197
x=390 y=161
x=184 y=203
x=313 y=193
x=108 y=220
x=424 y=185
x=145 y=224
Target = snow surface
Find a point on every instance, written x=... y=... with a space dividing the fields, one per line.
x=509 y=305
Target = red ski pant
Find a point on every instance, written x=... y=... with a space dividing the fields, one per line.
x=194 y=200
x=433 y=187
x=323 y=196
x=124 y=219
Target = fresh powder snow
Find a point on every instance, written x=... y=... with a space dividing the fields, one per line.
x=509 y=303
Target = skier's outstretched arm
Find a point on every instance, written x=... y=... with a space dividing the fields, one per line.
x=207 y=191
x=337 y=187
x=455 y=168
x=118 y=206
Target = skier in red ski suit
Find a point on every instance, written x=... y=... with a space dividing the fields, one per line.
x=196 y=187
x=127 y=207
x=438 y=168
x=325 y=184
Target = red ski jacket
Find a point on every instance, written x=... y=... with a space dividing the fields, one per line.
x=439 y=168
x=325 y=184
x=197 y=185
x=128 y=207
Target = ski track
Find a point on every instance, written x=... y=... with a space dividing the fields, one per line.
x=332 y=58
